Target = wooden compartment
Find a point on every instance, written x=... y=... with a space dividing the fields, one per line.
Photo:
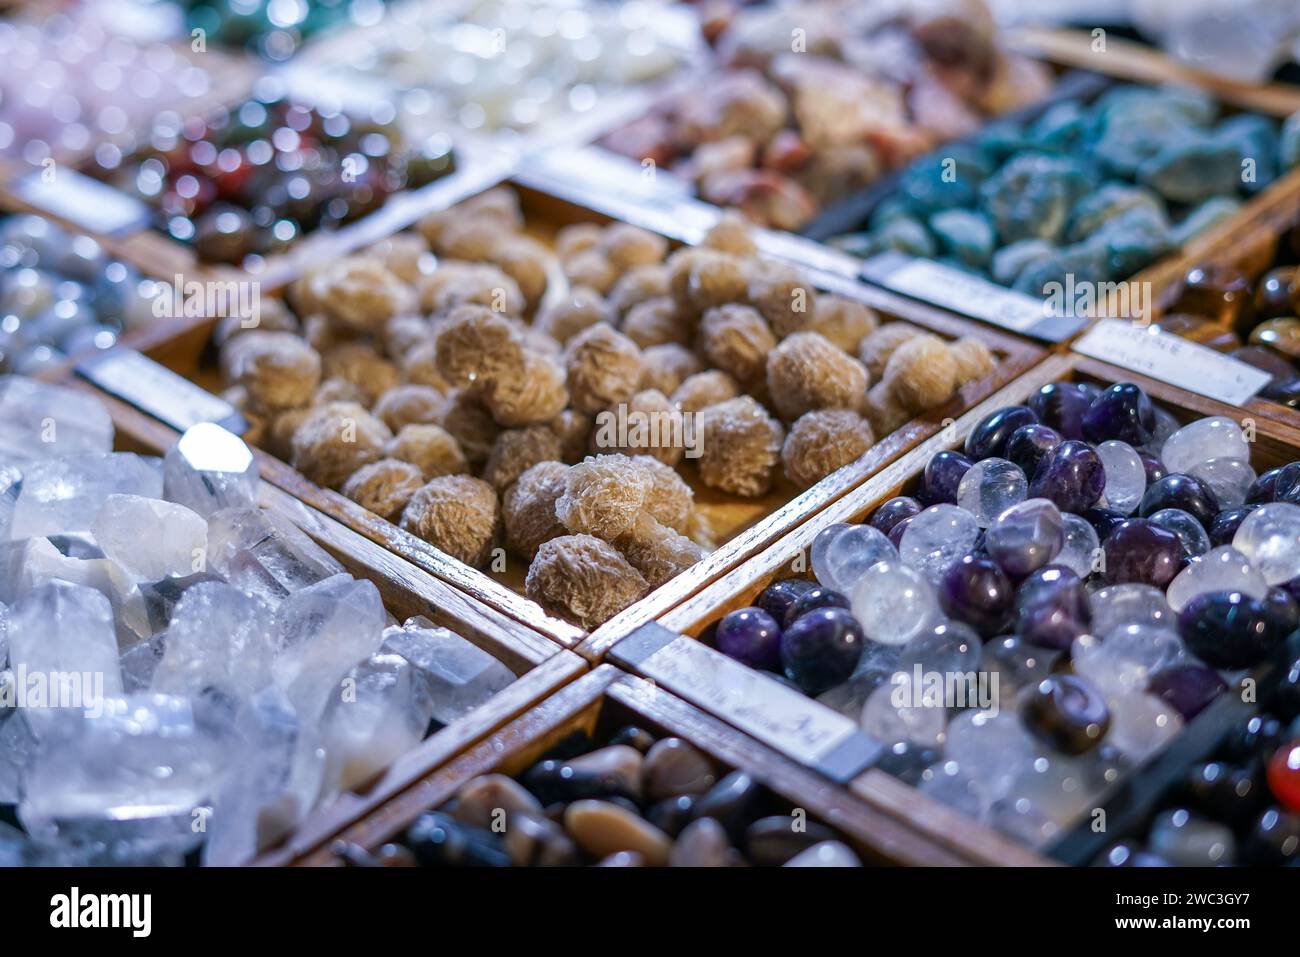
x=1275 y=444
x=540 y=665
x=604 y=701
x=745 y=526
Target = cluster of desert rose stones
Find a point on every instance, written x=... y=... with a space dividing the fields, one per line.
x=451 y=378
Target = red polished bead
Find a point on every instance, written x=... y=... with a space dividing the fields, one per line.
x=1284 y=775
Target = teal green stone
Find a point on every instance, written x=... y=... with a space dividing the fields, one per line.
x=1193 y=169
x=1209 y=213
x=965 y=236
x=1010 y=261
x=1113 y=199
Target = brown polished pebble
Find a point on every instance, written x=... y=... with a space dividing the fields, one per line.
x=675 y=767
x=602 y=828
x=537 y=842
x=1275 y=293
x=703 y=844
x=772 y=841
x=479 y=800
x=1282 y=335
x=1220 y=292
x=620 y=762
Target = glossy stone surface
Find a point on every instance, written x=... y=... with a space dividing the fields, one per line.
x=1052 y=608
x=937 y=538
x=1225 y=525
x=1026 y=537
x=1284 y=775
x=895 y=602
x=1191 y=533
x=894 y=511
x=1126 y=658
x=1227 y=479
x=820 y=649
x=750 y=635
x=1122 y=411
x=1214 y=437
x=1071 y=475
x=978 y=592
x=1061 y=405
x=1082 y=548
x=1270 y=538
x=1141 y=725
x=1188 y=687
x=890 y=715
x=990 y=435
x=811 y=600
x=1228 y=629
x=1187 y=840
x=779 y=597
x=1067 y=713
x=1141 y=552
x=990 y=487
x=1129 y=604
x=1222 y=792
x=1183 y=492
x=1222 y=569
x=943 y=475
x=841 y=559
x=1030 y=444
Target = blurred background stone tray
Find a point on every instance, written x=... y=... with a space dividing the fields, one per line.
x=606 y=700
x=540 y=665
x=746 y=526
x=1276 y=444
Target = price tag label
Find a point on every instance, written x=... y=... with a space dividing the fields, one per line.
x=969 y=295
x=94 y=206
x=775 y=714
x=157 y=390
x=1160 y=355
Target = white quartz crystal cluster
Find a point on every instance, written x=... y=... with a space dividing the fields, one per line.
x=182 y=671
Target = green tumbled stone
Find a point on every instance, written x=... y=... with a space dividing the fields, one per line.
x=1084 y=263
x=1203 y=217
x=1032 y=195
x=906 y=235
x=1061 y=128
x=1010 y=261
x=1132 y=240
x=966 y=236
x=1113 y=199
x=1194 y=170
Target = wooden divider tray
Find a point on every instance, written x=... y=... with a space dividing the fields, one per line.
x=744 y=525
x=541 y=666
x=736 y=693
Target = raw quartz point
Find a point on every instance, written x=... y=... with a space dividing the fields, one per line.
x=62 y=637
x=11 y=484
x=384 y=714
x=41 y=421
x=151 y=538
x=277 y=781
x=140 y=663
x=219 y=637
x=265 y=554
x=320 y=632
x=133 y=774
x=1215 y=437
x=63 y=496
x=210 y=469
x=460 y=676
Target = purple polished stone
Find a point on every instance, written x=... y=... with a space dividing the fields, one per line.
x=978 y=592
x=1122 y=412
x=893 y=512
x=1052 y=608
x=1187 y=687
x=1071 y=475
x=1066 y=712
x=990 y=436
x=751 y=636
x=1030 y=444
x=779 y=597
x=1228 y=629
x=811 y=600
x=896 y=533
x=1264 y=488
x=1287 y=487
x=1155 y=469
x=943 y=473
x=1186 y=492
x=1103 y=521
x=821 y=649
x=1224 y=527
x=1283 y=610
x=1061 y=405
x=1143 y=552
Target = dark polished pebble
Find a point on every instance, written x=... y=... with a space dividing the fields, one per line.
x=943 y=473
x=1030 y=444
x=1258 y=735
x=894 y=511
x=896 y=533
x=1103 y=521
x=635 y=737
x=673 y=814
x=814 y=598
x=771 y=841
x=1264 y=487
x=1283 y=696
x=1228 y=629
x=1071 y=475
x=1222 y=792
x=751 y=636
x=1188 y=687
x=1067 y=713
x=439 y=840
x=1061 y=406
x=978 y=592
x=990 y=435
x=778 y=598
x=907 y=761
x=1052 y=608
x=1154 y=468
x=1273 y=840
x=1180 y=491
x=1142 y=552
x=553 y=782
x=1122 y=411
x=732 y=802
x=820 y=649
x=1226 y=523
x=1283 y=610
x=1128 y=854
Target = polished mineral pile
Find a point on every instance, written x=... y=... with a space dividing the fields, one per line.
x=186 y=670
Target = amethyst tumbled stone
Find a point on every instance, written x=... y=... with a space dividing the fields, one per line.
x=1071 y=475
x=1188 y=687
x=813 y=599
x=1122 y=412
x=779 y=597
x=751 y=636
x=1185 y=492
x=943 y=474
x=1228 y=629
x=894 y=511
x=1143 y=552
x=1061 y=405
x=976 y=591
x=990 y=436
x=1030 y=444
x=1052 y=608
x=820 y=649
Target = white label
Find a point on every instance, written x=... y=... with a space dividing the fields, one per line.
x=92 y=205
x=967 y=294
x=157 y=390
x=764 y=708
x=1147 y=350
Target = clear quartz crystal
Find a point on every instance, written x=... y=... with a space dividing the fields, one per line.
x=42 y=421
x=11 y=484
x=210 y=469
x=894 y=713
x=459 y=675
x=384 y=714
x=265 y=554
x=1081 y=545
x=1228 y=479
x=63 y=645
x=990 y=487
x=992 y=747
x=1190 y=532
x=1126 y=476
x=218 y=637
x=937 y=538
x=894 y=603
x=1125 y=659
x=1128 y=604
x=847 y=555
x=1270 y=538
x=1141 y=725
x=320 y=632
x=1220 y=569
x=948 y=783
x=1214 y=437
x=63 y=496
x=151 y=538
